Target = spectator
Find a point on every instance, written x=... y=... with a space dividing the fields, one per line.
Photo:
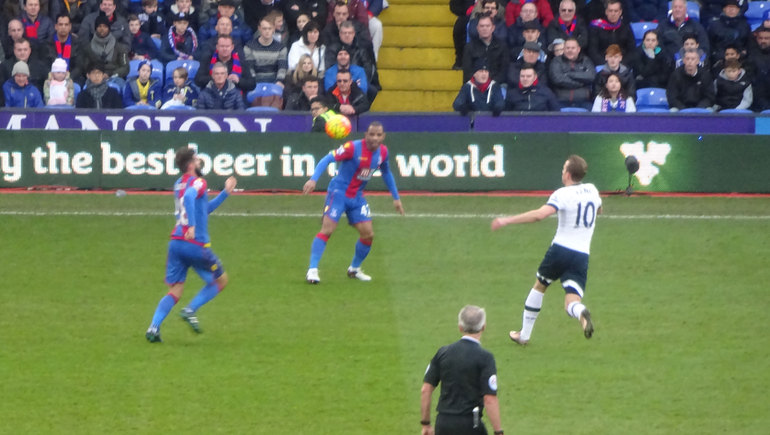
x=181 y=91
x=571 y=76
x=183 y=7
x=374 y=7
x=690 y=42
x=105 y=49
x=672 y=30
x=613 y=97
x=255 y=10
x=349 y=100
x=232 y=58
x=301 y=98
x=542 y=10
x=76 y=10
x=316 y=10
x=16 y=33
x=180 y=42
x=37 y=27
x=555 y=48
x=759 y=54
x=730 y=27
x=220 y=93
x=462 y=9
x=310 y=44
x=529 y=95
x=527 y=20
x=530 y=32
x=240 y=32
x=492 y=9
x=733 y=88
x=143 y=90
x=568 y=24
x=319 y=109
x=281 y=32
x=341 y=14
x=142 y=46
x=690 y=85
x=224 y=27
x=37 y=71
x=710 y=10
x=613 y=65
x=295 y=31
x=266 y=57
x=731 y=52
x=343 y=62
x=651 y=64
x=530 y=56
x=612 y=30
x=117 y=25
x=647 y=10
x=480 y=94
x=152 y=22
x=18 y=91
x=63 y=43
x=361 y=54
x=305 y=69
x=488 y=47
x=356 y=9
x=59 y=89
x=97 y=94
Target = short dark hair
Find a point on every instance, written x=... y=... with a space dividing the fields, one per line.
x=319 y=99
x=183 y=158
x=576 y=167
x=63 y=15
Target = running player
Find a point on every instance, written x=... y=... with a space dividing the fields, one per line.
x=190 y=244
x=358 y=159
x=577 y=205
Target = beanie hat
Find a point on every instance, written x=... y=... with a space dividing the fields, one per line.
x=20 y=67
x=59 y=65
x=101 y=19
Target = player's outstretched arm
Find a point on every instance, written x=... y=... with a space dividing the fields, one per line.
x=524 y=218
x=399 y=207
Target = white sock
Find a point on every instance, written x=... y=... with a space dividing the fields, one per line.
x=575 y=309
x=531 y=309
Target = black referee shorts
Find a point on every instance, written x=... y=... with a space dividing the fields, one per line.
x=447 y=424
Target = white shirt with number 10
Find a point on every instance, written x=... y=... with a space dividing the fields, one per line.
x=577 y=207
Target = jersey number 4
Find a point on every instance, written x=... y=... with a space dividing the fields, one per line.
x=585 y=213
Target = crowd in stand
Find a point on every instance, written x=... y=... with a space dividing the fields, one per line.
x=540 y=55
x=190 y=54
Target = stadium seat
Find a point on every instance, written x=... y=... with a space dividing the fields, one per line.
x=263 y=109
x=651 y=98
x=59 y=106
x=640 y=28
x=156 y=65
x=652 y=110
x=504 y=90
x=765 y=112
x=755 y=13
x=157 y=42
x=191 y=66
x=264 y=90
x=728 y=111
x=599 y=67
x=693 y=9
x=695 y=110
x=140 y=107
x=77 y=89
x=181 y=108
x=573 y=109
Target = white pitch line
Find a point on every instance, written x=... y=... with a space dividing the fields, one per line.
x=383 y=215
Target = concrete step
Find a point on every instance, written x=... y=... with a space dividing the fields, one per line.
x=416 y=58
x=417 y=80
x=414 y=101
x=418 y=15
x=423 y=37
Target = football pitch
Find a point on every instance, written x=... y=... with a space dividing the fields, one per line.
x=677 y=289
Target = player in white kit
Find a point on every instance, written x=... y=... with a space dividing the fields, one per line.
x=577 y=205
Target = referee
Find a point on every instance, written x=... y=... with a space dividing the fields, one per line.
x=469 y=382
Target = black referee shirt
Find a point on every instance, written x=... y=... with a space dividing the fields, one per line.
x=467 y=373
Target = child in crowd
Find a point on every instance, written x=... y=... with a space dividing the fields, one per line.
x=152 y=21
x=613 y=97
x=143 y=90
x=180 y=42
x=142 y=46
x=59 y=89
x=733 y=88
x=181 y=91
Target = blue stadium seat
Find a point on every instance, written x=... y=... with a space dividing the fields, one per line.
x=765 y=112
x=695 y=110
x=640 y=28
x=263 y=109
x=652 y=110
x=59 y=106
x=573 y=109
x=651 y=98
x=693 y=10
x=755 y=13
x=140 y=107
x=504 y=90
x=728 y=111
x=156 y=65
x=264 y=90
x=191 y=66
x=77 y=90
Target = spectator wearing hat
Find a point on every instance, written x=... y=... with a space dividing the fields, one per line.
x=529 y=95
x=18 y=91
x=343 y=63
x=613 y=57
x=143 y=90
x=526 y=28
x=530 y=55
x=37 y=27
x=22 y=51
x=710 y=10
x=59 y=89
x=678 y=23
x=542 y=10
x=96 y=93
x=180 y=41
x=555 y=48
x=611 y=29
x=220 y=93
x=361 y=54
x=240 y=32
x=118 y=26
x=728 y=28
x=568 y=25
x=488 y=47
x=105 y=49
x=571 y=76
x=481 y=93
x=183 y=7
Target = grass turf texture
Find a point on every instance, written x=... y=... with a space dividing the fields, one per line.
x=680 y=306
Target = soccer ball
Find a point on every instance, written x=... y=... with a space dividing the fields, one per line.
x=338 y=126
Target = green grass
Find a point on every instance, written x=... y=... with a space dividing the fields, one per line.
x=681 y=308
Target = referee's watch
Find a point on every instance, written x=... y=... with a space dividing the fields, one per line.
x=499 y=432
x=425 y=422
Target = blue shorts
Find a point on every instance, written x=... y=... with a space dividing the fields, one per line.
x=183 y=255
x=571 y=267
x=356 y=208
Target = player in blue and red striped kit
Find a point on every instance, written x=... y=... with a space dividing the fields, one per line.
x=358 y=160
x=190 y=245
